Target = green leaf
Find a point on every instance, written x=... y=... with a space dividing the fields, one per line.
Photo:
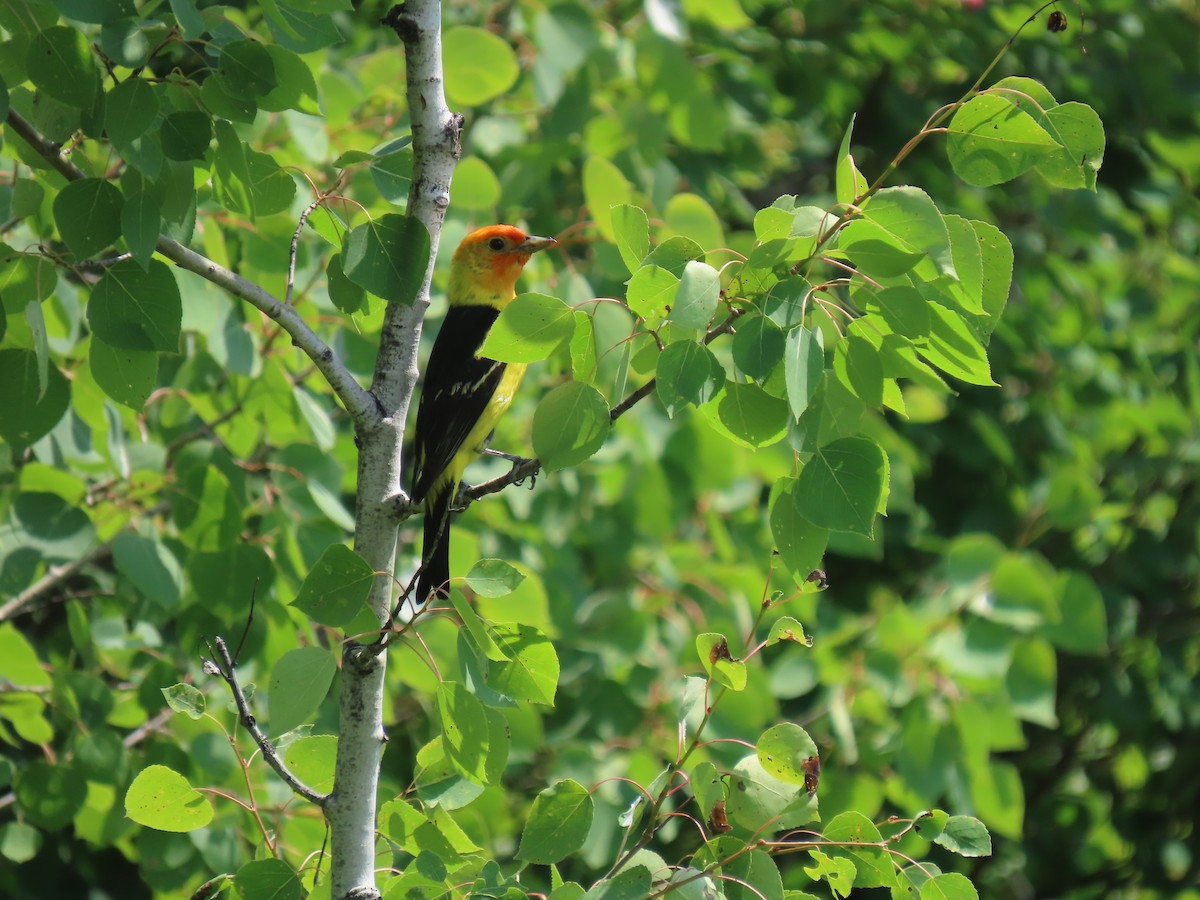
x=691 y=216
x=151 y=567
x=480 y=634
x=674 y=254
x=59 y=61
x=141 y=222
x=787 y=628
x=1081 y=134
x=19 y=663
x=186 y=135
x=954 y=349
x=480 y=65
x=345 y=294
x=493 y=578
x=313 y=760
x=464 y=730
x=53 y=527
x=758 y=346
x=996 y=268
x=294 y=80
x=873 y=864
x=990 y=141
x=529 y=329
x=128 y=376
x=1083 y=627
x=707 y=785
x=19 y=843
x=850 y=183
x=903 y=308
x=950 y=886
x=336 y=588
x=604 y=187
x=748 y=415
x=186 y=699
x=966 y=836
x=25 y=278
x=898 y=229
x=1032 y=679
x=931 y=823
x=475 y=185
x=719 y=663
x=804 y=368
x=129 y=110
x=392 y=173
x=799 y=543
x=32 y=407
x=783 y=749
x=388 y=257
x=245 y=70
x=696 y=298
x=838 y=872
x=628 y=884
x=1023 y=594
x=688 y=374
x=583 y=347
x=631 y=233
x=219 y=103
x=531 y=672
x=569 y=425
x=299 y=682
x=137 y=309
x=162 y=799
x=50 y=795
x=857 y=365
x=758 y=800
x=558 y=823
x=268 y=879
x=843 y=485
x=272 y=187
x=88 y=215
x=650 y=294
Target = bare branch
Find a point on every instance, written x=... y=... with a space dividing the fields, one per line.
x=270 y=754
x=356 y=400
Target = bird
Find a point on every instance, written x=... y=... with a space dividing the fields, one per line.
x=464 y=395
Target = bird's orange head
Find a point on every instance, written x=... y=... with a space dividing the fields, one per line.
x=488 y=262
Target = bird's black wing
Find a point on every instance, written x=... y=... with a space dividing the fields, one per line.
x=458 y=386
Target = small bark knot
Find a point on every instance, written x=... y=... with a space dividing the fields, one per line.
x=361 y=658
x=399 y=21
x=453 y=133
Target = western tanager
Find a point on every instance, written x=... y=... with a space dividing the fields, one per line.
x=464 y=394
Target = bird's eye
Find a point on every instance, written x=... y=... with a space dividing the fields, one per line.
x=496 y=243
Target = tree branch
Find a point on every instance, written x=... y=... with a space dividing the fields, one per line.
x=270 y=754
x=436 y=149
x=54 y=577
x=356 y=400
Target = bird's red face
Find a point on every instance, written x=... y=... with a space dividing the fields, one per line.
x=492 y=258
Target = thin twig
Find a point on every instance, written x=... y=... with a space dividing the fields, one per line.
x=270 y=754
x=291 y=276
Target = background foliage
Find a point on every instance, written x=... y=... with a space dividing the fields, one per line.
x=1018 y=644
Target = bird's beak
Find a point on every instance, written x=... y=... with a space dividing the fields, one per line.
x=533 y=244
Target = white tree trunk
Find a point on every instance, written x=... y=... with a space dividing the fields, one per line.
x=351 y=809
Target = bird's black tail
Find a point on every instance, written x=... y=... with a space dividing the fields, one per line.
x=435 y=571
